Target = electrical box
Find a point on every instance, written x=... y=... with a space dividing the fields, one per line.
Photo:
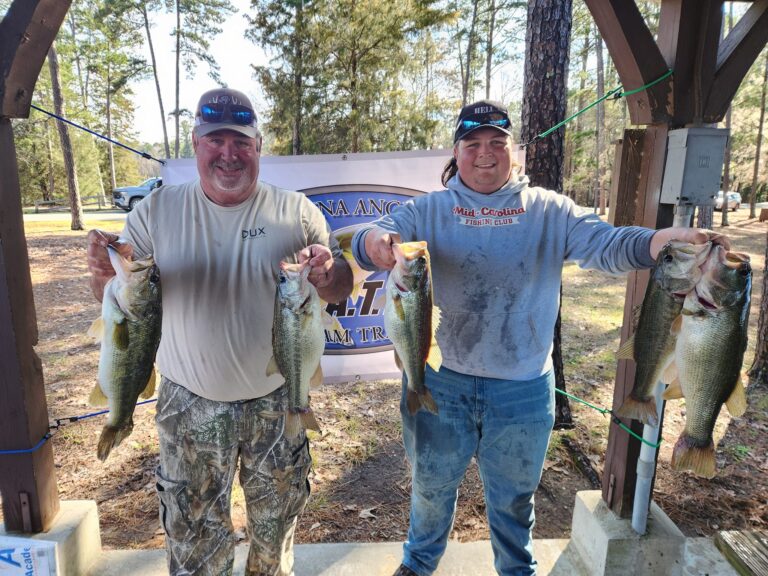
x=694 y=166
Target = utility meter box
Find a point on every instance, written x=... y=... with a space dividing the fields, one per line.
x=694 y=166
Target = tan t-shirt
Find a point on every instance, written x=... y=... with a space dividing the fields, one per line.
x=218 y=274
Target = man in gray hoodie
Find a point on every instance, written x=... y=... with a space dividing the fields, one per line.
x=497 y=248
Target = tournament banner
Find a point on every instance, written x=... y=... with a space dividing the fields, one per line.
x=350 y=190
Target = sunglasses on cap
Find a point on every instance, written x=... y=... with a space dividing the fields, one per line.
x=215 y=113
x=485 y=120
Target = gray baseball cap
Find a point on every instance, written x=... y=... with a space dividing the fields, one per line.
x=225 y=109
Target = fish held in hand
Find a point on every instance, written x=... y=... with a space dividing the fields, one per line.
x=652 y=346
x=129 y=332
x=298 y=342
x=711 y=340
x=411 y=320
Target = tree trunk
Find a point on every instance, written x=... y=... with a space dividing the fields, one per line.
x=758 y=373
x=48 y=191
x=465 y=81
x=84 y=99
x=66 y=143
x=110 y=146
x=545 y=93
x=298 y=86
x=489 y=49
x=143 y=9
x=760 y=126
x=177 y=111
x=705 y=218
x=600 y=116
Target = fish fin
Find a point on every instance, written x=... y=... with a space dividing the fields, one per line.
x=437 y=315
x=97 y=397
x=674 y=390
x=398 y=362
x=642 y=410
x=120 y=335
x=415 y=400
x=435 y=356
x=699 y=459
x=111 y=438
x=677 y=325
x=737 y=401
x=149 y=389
x=96 y=330
x=317 y=377
x=308 y=420
x=627 y=350
x=397 y=303
x=669 y=375
x=292 y=424
x=272 y=367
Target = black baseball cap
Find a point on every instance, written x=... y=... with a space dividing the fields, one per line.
x=482 y=114
x=225 y=109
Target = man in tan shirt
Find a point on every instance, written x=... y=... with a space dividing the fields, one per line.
x=218 y=242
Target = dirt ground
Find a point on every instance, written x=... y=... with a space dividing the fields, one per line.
x=360 y=481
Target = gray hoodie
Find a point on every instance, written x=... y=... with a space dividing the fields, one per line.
x=497 y=263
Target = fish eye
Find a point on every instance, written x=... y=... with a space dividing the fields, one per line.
x=668 y=258
x=154 y=278
x=282 y=279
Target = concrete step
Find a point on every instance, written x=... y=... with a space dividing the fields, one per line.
x=369 y=559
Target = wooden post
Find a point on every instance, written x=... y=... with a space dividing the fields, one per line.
x=619 y=474
x=27 y=481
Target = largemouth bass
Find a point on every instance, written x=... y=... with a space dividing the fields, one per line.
x=298 y=341
x=652 y=346
x=411 y=320
x=711 y=340
x=129 y=332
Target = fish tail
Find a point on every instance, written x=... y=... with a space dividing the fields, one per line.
x=415 y=400
x=687 y=455
x=428 y=402
x=292 y=424
x=309 y=421
x=643 y=410
x=111 y=437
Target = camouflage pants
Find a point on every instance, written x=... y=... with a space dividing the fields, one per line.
x=200 y=444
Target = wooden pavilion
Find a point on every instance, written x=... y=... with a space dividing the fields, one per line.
x=707 y=73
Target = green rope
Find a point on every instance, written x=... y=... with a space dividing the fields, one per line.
x=614 y=418
x=616 y=95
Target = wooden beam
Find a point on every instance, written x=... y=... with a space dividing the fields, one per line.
x=736 y=55
x=625 y=178
x=620 y=471
x=26 y=32
x=27 y=481
x=637 y=57
x=689 y=34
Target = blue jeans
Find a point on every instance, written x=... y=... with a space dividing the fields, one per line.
x=506 y=425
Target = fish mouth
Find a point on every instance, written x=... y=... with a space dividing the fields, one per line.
x=704 y=302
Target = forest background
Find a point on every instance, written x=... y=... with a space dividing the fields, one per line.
x=342 y=76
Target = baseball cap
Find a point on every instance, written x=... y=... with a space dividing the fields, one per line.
x=225 y=109
x=482 y=114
